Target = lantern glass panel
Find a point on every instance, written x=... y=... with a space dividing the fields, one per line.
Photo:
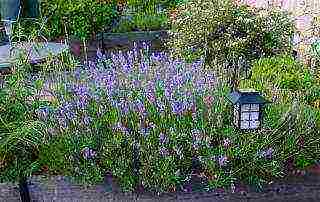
x=244 y=124
x=245 y=116
x=254 y=116
x=254 y=124
x=245 y=107
x=254 y=107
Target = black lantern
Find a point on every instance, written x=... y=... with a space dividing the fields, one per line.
x=247 y=108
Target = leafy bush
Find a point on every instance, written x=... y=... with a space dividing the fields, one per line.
x=142 y=22
x=81 y=18
x=142 y=16
x=226 y=33
x=283 y=75
x=21 y=133
x=54 y=156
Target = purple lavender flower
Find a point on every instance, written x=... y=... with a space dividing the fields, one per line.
x=210 y=79
x=81 y=103
x=168 y=92
x=70 y=115
x=196 y=65
x=88 y=153
x=177 y=107
x=140 y=107
x=143 y=67
x=160 y=106
x=125 y=109
x=43 y=113
x=156 y=56
x=144 y=131
x=81 y=91
x=145 y=46
x=87 y=120
x=136 y=83
x=127 y=68
x=177 y=80
x=150 y=94
x=200 y=84
x=164 y=152
x=62 y=123
x=222 y=160
x=162 y=138
x=266 y=153
x=92 y=65
x=77 y=73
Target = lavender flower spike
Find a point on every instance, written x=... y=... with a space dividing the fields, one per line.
x=222 y=160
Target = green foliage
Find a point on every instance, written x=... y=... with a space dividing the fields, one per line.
x=55 y=155
x=117 y=158
x=142 y=22
x=81 y=18
x=63 y=155
x=301 y=162
x=150 y=23
x=223 y=32
x=143 y=16
x=21 y=133
x=145 y=5
x=282 y=73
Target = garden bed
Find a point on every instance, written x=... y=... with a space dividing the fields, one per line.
x=161 y=125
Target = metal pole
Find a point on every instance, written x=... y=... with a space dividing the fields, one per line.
x=24 y=190
x=136 y=163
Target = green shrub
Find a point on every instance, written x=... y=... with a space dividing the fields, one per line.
x=82 y=18
x=55 y=155
x=142 y=22
x=21 y=133
x=283 y=73
x=142 y=16
x=223 y=32
x=145 y=5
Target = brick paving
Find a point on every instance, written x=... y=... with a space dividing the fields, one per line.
x=58 y=188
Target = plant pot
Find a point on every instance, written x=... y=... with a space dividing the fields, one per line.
x=9 y=9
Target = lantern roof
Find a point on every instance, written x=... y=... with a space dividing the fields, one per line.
x=246 y=96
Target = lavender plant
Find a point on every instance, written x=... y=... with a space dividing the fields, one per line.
x=132 y=99
x=145 y=118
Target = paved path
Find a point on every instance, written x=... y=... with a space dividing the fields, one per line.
x=57 y=188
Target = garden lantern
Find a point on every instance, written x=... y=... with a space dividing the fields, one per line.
x=247 y=108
